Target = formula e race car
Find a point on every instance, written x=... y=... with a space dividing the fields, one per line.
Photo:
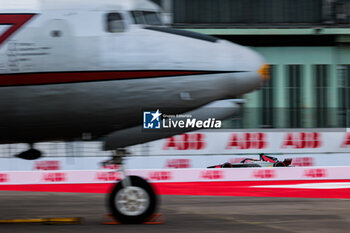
x=264 y=161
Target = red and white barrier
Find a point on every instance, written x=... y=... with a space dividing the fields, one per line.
x=55 y=164
x=176 y=175
x=227 y=142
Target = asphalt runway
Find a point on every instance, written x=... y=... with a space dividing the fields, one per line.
x=182 y=214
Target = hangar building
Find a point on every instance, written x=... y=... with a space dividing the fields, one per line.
x=306 y=42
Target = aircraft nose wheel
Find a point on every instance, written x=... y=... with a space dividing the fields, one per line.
x=133 y=204
x=132 y=201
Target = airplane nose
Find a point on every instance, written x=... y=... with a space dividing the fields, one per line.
x=254 y=70
x=255 y=63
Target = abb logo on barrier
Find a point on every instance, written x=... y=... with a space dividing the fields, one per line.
x=302 y=140
x=47 y=165
x=247 y=141
x=54 y=177
x=303 y=162
x=346 y=142
x=160 y=176
x=178 y=163
x=108 y=176
x=4 y=178
x=186 y=142
x=315 y=173
x=212 y=175
x=264 y=174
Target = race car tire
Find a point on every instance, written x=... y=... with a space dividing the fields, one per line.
x=279 y=164
x=134 y=204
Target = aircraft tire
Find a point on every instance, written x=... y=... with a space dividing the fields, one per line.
x=134 y=204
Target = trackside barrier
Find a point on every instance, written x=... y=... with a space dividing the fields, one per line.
x=175 y=175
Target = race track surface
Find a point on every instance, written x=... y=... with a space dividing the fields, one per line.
x=182 y=214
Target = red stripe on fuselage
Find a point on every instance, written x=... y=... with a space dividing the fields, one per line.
x=16 y=21
x=23 y=79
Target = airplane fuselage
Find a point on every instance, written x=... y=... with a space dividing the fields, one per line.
x=67 y=71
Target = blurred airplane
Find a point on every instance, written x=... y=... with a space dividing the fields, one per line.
x=83 y=67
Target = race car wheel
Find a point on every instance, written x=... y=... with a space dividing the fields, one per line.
x=133 y=204
x=279 y=164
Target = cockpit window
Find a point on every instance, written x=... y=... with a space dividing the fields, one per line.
x=152 y=18
x=138 y=17
x=146 y=17
x=115 y=23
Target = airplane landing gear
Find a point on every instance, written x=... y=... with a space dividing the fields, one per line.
x=133 y=204
x=132 y=200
